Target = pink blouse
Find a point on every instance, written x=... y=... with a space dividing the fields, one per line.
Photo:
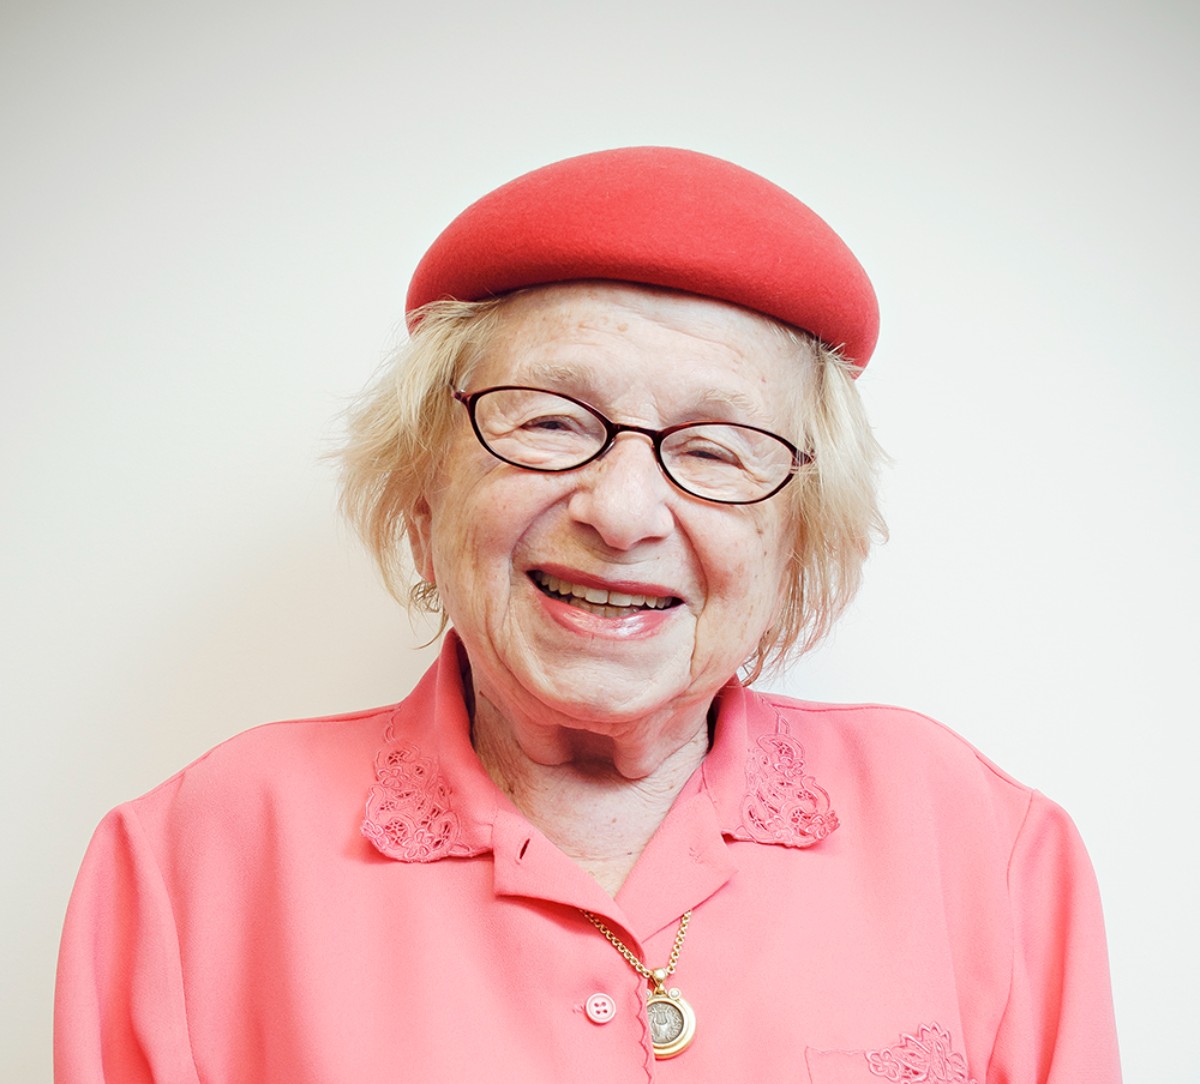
x=872 y=900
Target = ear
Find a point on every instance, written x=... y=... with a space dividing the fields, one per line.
x=420 y=540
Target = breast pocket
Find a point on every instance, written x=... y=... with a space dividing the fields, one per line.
x=926 y=1054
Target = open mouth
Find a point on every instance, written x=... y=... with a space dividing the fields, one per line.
x=596 y=600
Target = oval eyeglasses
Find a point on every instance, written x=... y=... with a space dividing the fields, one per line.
x=539 y=430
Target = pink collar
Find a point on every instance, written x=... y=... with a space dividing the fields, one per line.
x=432 y=798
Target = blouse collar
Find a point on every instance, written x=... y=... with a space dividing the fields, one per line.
x=432 y=799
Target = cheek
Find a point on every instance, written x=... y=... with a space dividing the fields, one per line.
x=750 y=576
x=450 y=538
x=459 y=552
x=476 y=532
x=771 y=567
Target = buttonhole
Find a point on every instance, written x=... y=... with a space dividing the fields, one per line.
x=524 y=848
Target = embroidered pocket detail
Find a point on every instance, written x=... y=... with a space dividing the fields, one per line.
x=917 y=1059
x=408 y=814
x=925 y=1056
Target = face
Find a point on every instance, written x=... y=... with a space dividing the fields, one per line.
x=604 y=596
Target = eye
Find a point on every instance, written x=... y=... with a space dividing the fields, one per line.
x=554 y=423
x=706 y=450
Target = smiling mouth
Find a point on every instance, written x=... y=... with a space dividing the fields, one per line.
x=596 y=600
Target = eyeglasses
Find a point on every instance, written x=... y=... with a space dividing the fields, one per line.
x=717 y=461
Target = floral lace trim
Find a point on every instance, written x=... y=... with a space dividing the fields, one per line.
x=408 y=809
x=782 y=804
x=924 y=1058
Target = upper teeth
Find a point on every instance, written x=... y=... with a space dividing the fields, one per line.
x=598 y=596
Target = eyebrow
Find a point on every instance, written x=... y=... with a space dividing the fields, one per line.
x=557 y=372
x=579 y=381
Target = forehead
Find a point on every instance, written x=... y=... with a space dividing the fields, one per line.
x=608 y=340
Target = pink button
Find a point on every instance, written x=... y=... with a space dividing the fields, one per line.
x=600 y=1008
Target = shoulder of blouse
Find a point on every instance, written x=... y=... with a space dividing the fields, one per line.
x=854 y=748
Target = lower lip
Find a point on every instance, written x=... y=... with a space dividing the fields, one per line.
x=635 y=626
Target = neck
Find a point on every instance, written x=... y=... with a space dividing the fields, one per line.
x=581 y=792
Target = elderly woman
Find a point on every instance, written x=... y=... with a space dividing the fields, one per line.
x=625 y=452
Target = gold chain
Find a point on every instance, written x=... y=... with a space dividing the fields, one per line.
x=631 y=959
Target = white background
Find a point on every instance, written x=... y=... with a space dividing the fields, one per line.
x=208 y=215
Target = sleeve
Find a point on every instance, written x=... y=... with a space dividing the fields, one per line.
x=119 y=1013
x=1058 y=1026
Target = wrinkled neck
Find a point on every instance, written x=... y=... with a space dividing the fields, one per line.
x=597 y=797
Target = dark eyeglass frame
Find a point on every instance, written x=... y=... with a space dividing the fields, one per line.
x=613 y=429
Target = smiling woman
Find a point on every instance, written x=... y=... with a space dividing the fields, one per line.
x=407 y=419
x=617 y=524
x=624 y=451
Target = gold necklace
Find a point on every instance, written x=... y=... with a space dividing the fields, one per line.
x=672 y=1020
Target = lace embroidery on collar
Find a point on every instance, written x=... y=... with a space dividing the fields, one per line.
x=782 y=804
x=924 y=1058
x=408 y=813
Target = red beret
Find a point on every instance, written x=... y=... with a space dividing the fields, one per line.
x=662 y=217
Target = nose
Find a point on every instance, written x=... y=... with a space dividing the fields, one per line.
x=623 y=495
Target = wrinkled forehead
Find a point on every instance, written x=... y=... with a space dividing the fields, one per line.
x=616 y=343
x=600 y=307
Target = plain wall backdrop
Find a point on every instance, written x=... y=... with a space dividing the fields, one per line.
x=208 y=216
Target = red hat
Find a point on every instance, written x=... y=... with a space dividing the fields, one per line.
x=662 y=217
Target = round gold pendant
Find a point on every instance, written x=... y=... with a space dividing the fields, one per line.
x=672 y=1022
